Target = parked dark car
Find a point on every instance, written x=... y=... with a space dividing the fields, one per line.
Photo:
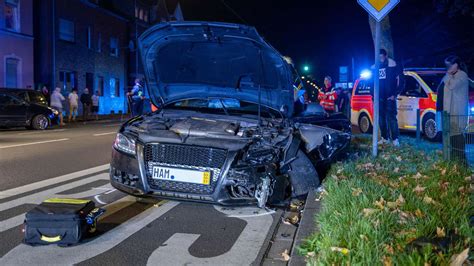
x=225 y=133
x=16 y=112
x=27 y=95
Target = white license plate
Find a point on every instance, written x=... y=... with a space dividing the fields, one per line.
x=181 y=175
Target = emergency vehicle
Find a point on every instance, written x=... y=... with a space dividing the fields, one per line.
x=418 y=91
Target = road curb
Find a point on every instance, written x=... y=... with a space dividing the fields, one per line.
x=306 y=227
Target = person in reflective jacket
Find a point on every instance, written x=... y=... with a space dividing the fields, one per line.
x=327 y=96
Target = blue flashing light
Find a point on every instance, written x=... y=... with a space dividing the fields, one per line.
x=366 y=74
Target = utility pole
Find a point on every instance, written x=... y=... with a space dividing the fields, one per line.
x=136 y=41
x=375 y=134
x=378 y=9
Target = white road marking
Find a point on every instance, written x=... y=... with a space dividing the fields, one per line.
x=97 y=198
x=103 y=134
x=111 y=191
x=46 y=255
x=51 y=181
x=42 y=131
x=32 y=143
x=249 y=243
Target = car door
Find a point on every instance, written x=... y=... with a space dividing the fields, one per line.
x=12 y=111
x=408 y=103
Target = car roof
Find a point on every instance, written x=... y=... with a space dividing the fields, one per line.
x=16 y=89
x=426 y=70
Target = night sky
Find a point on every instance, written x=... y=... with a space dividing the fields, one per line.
x=327 y=33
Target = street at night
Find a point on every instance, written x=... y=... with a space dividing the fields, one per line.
x=78 y=167
x=236 y=132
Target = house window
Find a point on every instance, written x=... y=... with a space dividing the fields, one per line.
x=115 y=87
x=99 y=42
x=90 y=81
x=100 y=86
x=89 y=37
x=145 y=16
x=11 y=72
x=114 y=51
x=12 y=16
x=68 y=80
x=66 y=30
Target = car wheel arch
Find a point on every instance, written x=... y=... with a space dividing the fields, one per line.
x=361 y=116
x=424 y=119
x=34 y=120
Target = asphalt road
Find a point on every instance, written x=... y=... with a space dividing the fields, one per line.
x=73 y=162
x=28 y=156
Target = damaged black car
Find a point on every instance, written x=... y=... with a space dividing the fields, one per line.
x=226 y=132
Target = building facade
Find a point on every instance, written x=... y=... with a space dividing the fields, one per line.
x=92 y=44
x=16 y=44
x=79 y=45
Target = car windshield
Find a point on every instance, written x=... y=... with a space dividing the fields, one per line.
x=224 y=106
x=432 y=80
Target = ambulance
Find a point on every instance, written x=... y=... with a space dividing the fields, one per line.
x=418 y=91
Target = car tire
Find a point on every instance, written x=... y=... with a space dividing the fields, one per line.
x=303 y=175
x=430 y=128
x=40 y=122
x=365 y=126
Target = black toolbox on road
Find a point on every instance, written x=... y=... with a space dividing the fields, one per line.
x=59 y=221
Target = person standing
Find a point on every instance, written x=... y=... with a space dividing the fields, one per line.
x=137 y=98
x=95 y=105
x=343 y=101
x=86 y=101
x=389 y=75
x=327 y=96
x=56 y=102
x=454 y=99
x=73 y=105
x=45 y=92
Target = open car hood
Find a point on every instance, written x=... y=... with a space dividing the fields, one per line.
x=187 y=60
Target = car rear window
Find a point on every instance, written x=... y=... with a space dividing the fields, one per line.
x=37 y=97
x=365 y=87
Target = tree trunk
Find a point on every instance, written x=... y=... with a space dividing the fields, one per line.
x=386 y=41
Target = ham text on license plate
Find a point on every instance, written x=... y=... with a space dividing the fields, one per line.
x=181 y=175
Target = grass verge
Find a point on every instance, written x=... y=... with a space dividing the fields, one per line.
x=407 y=207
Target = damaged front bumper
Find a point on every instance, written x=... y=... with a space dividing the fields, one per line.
x=129 y=175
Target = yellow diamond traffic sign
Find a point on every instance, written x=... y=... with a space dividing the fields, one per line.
x=379 y=4
x=378 y=9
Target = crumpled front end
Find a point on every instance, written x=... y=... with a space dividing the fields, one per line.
x=231 y=164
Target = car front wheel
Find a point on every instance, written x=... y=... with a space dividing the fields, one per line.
x=40 y=122
x=364 y=124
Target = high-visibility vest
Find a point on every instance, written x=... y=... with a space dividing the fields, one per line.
x=328 y=99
